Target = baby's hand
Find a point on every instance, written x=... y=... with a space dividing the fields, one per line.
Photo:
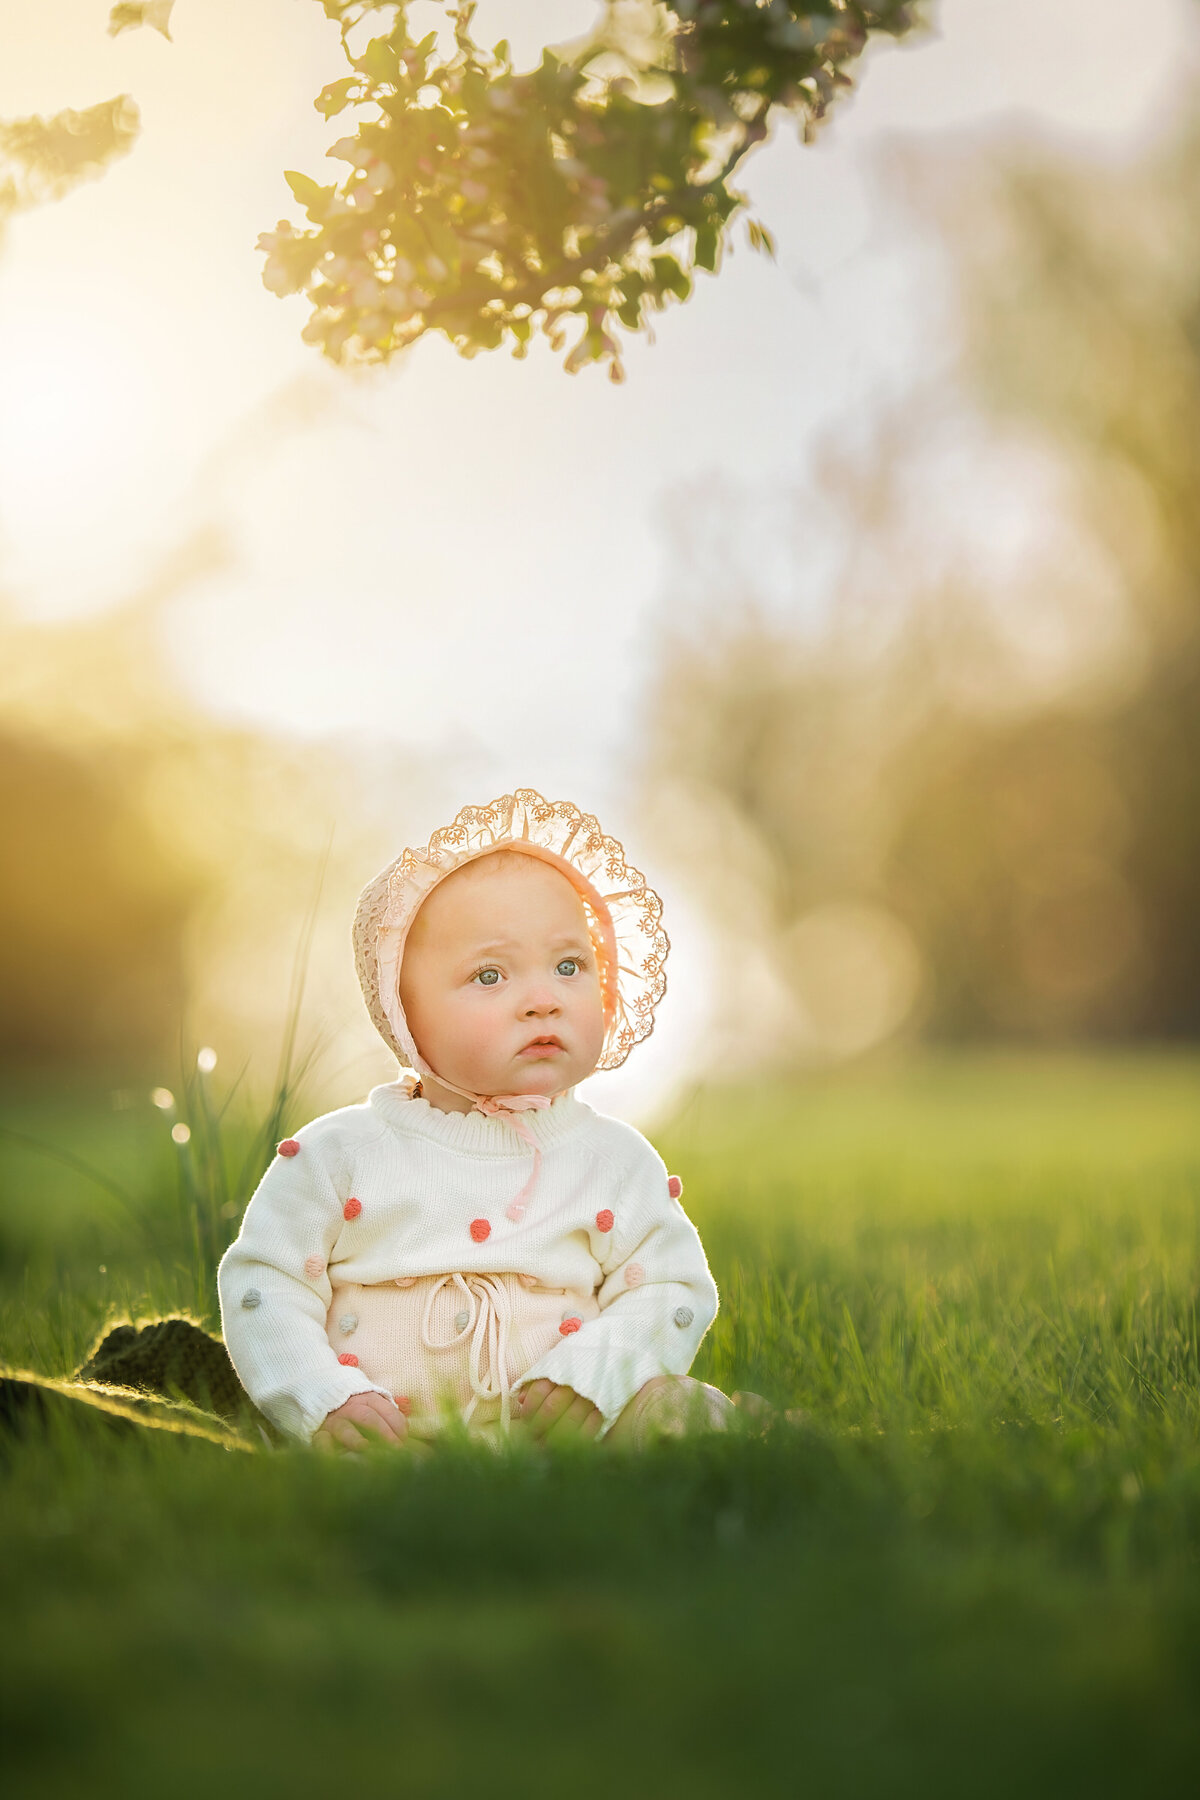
x=557 y=1413
x=374 y=1412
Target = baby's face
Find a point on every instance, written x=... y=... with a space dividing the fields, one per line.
x=498 y=957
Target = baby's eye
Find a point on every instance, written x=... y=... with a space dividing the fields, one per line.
x=486 y=977
x=568 y=966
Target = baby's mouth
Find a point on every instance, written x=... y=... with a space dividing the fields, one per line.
x=542 y=1046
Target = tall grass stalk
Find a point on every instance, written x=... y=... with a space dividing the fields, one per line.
x=218 y=1169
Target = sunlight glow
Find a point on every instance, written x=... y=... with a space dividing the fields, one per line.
x=81 y=419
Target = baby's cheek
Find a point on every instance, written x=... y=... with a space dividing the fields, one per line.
x=479 y=1036
x=589 y=1021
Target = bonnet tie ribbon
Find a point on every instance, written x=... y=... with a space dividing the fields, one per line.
x=492 y=1105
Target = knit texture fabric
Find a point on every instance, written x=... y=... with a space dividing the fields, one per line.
x=431 y=1189
x=174 y=1358
x=445 y=1346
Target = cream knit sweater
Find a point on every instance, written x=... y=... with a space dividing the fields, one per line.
x=427 y=1182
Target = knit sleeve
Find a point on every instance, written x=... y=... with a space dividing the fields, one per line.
x=274 y=1289
x=657 y=1297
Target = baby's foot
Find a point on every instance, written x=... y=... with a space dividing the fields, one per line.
x=757 y=1411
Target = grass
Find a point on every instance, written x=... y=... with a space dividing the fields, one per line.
x=968 y=1567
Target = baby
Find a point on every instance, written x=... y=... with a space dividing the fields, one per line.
x=475 y=1243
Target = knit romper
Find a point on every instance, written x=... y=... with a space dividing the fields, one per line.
x=380 y=1253
x=452 y=1346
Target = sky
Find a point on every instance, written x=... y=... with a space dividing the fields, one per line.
x=466 y=557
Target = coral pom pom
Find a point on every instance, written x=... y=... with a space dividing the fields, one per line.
x=289 y=1147
x=568 y=1326
x=403 y=1402
x=480 y=1229
x=604 y=1220
x=352 y=1209
x=348 y=1357
x=674 y=1186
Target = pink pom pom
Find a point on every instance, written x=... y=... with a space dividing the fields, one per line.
x=604 y=1220
x=568 y=1326
x=352 y=1209
x=480 y=1229
x=289 y=1147
x=314 y=1266
x=634 y=1275
x=348 y=1357
x=674 y=1186
x=403 y=1402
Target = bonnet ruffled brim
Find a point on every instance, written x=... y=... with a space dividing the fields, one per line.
x=624 y=914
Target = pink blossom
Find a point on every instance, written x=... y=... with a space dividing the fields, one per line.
x=366 y=291
x=279 y=279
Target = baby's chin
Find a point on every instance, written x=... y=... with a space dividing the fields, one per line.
x=551 y=1076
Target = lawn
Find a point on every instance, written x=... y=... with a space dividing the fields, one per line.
x=965 y=1564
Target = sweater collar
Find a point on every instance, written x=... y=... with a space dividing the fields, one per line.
x=473 y=1132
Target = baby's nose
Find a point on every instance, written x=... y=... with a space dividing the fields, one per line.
x=543 y=1001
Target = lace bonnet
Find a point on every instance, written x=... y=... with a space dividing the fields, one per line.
x=624 y=916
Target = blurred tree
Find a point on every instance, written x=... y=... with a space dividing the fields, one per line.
x=1053 y=862
x=160 y=864
x=92 y=911
x=1038 y=838
x=43 y=159
x=483 y=201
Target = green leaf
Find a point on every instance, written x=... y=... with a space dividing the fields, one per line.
x=308 y=192
x=336 y=97
x=760 y=238
x=379 y=61
x=443 y=241
x=155 y=13
x=708 y=244
x=671 y=277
